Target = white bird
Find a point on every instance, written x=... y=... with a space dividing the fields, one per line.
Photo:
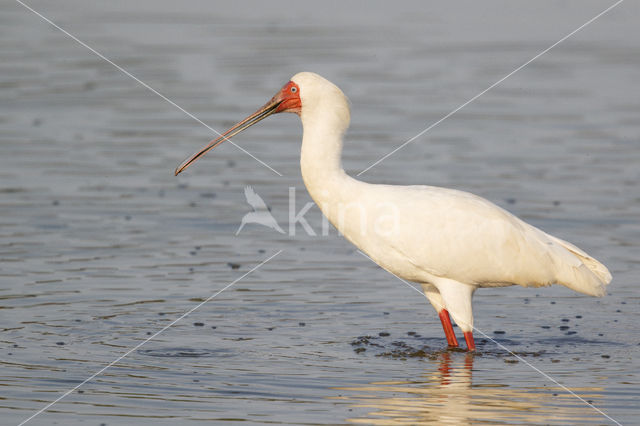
x=260 y=214
x=451 y=242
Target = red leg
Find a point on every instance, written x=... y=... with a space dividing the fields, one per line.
x=448 y=328
x=468 y=337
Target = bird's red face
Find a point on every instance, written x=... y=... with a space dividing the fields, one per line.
x=286 y=100
x=289 y=97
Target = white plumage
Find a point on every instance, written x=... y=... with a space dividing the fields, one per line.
x=449 y=241
x=452 y=242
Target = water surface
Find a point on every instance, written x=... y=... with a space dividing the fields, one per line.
x=101 y=247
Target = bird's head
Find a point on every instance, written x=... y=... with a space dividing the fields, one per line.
x=304 y=93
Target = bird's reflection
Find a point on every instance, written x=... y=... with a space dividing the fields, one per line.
x=462 y=376
x=447 y=395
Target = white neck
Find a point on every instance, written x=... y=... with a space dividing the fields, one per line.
x=320 y=159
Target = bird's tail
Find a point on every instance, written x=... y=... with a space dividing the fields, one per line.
x=587 y=276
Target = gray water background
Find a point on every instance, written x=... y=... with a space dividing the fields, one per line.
x=101 y=246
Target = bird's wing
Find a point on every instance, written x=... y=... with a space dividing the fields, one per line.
x=470 y=239
x=254 y=199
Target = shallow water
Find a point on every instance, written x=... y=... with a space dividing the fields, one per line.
x=101 y=247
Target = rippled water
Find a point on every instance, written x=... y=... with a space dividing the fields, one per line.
x=101 y=247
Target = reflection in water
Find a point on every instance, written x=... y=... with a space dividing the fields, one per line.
x=447 y=395
x=100 y=244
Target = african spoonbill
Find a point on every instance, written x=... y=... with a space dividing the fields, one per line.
x=451 y=242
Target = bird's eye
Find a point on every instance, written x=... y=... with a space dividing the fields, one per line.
x=294 y=89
